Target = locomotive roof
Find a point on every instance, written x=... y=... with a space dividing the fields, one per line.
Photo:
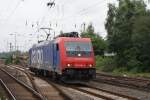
x=61 y=39
x=73 y=39
x=41 y=44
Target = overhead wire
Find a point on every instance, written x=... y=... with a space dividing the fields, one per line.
x=86 y=11
x=83 y=10
x=56 y=11
x=43 y=18
x=91 y=6
x=40 y=23
x=14 y=10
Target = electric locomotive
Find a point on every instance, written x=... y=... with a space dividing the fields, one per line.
x=64 y=58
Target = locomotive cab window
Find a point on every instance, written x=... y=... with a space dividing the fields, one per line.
x=78 y=49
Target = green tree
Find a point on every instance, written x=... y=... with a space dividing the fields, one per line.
x=99 y=44
x=120 y=24
x=141 y=41
x=9 y=60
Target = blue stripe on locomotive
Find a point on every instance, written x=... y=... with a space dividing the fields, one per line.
x=50 y=58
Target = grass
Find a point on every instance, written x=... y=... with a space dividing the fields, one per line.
x=130 y=74
x=2 y=97
x=106 y=64
x=127 y=73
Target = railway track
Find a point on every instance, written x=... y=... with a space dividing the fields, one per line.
x=87 y=89
x=98 y=94
x=135 y=83
x=48 y=91
x=25 y=71
x=113 y=93
x=8 y=94
x=93 y=92
x=18 y=89
x=140 y=79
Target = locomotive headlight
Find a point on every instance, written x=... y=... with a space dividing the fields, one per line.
x=79 y=55
x=90 y=65
x=68 y=65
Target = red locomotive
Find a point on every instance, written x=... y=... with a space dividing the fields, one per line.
x=65 y=58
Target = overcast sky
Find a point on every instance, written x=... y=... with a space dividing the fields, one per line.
x=25 y=17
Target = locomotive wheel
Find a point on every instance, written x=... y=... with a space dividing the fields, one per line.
x=54 y=76
x=44 y=73
x=36 y=72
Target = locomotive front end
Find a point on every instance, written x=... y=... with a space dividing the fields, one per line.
x=79 y=62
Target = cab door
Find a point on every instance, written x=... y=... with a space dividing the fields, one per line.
x=55 y=55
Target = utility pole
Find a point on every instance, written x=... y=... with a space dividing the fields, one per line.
x=15 y=34
x=10 y=47
x=54 y=34
x=83 y=25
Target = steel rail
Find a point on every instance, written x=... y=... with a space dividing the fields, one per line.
x=114 y=93
x=78 y=89
x=93 y=94
x=96 y=95
x=123 y=77
x=7 y=89
x=25 y=85
x=36 y=87
x=122 y=84
x=58 y=89
x=28 y=75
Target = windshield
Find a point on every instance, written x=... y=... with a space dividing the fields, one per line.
x=78 y=49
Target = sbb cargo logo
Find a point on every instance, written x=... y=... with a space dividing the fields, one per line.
x=37 y=57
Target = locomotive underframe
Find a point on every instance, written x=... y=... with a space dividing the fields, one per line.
x=68 y=73
x=80 y=73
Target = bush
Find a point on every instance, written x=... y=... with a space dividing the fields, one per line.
x=9 y=60
x=16 y=61
x=106 y=64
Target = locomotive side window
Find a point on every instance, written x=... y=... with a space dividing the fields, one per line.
x=78 y=49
